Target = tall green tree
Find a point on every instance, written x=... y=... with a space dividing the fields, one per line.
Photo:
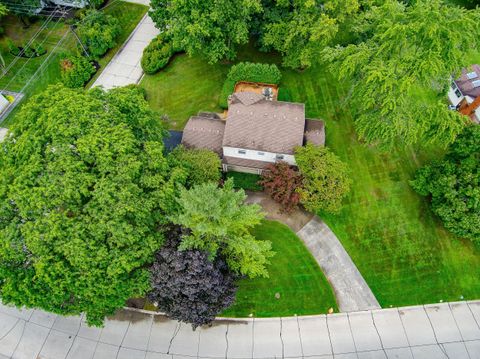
x=301 y=29
x=325 y=180
x=212 y=28
x=84 y=186
x=453 y=184
x=399 y=73
x=219 y=222
x=202 y=165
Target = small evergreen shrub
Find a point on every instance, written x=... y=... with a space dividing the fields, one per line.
x=252 y=72
x=98 y=32
x=157 y=55
x=76 y=70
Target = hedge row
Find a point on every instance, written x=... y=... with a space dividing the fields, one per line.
x=248 y=71
x=157 y=54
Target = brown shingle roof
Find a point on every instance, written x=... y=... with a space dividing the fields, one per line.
x=315 y=132
x=256 y=123
x=202 y=132
x=465 y=84
x=235 y=161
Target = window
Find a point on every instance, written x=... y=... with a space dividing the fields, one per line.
x=261 y=153
x=279 y=157
x=458 y=93
x=476 y=83
x=472 y=75
x=242 y=152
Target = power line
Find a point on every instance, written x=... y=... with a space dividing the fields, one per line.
x=32 y=39
x=28 y=60
x=45 y=61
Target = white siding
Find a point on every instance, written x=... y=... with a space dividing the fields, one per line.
x=452 y=96
x=257 y=155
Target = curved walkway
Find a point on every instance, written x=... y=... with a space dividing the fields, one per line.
x=351 y=290
x=447 y=330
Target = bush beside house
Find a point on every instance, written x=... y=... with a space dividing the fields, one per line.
x=248 y=71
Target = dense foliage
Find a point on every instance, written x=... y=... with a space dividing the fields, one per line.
x=282 y=182
x=188 y=286
x=157 y=54
x=211 y=28
x=76 y=70
x=248 y=71
x=98 y=32
x=407 y=51
x=219 y=222
x=300 y=30
x=325 y=179
x=22 y=7
x=83 y=188
x=453 y=184
x=202 y=165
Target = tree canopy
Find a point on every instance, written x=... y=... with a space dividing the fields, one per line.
x=453 y=184
x=202 y=165
x=212 y=28
x=325 y=179
x=188 y=286
x=300 y=30
x=219 y=222
x=400 y=72
x=83 y=187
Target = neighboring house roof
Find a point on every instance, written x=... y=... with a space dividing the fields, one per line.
x=203 y=132
x=259 y=124
x=315 y=132
x=469 y=81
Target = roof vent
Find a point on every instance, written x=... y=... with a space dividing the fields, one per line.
x=476 y=83
x=472 y=75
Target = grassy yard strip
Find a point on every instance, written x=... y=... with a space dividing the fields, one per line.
x=294 y=274
x=398 y=244
x=247 y=181
x=129 y=15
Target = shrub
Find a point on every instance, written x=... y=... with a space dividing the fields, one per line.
x=248 y=71
x=157 y=55
x=98 y=31
x=281 y=182
x=325 y=181
x=76 y=70
x=201 y=164
x=453 y=184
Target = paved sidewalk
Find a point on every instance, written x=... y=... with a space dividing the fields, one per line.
x=125 y=68
x=351 y=290
x=447 y=330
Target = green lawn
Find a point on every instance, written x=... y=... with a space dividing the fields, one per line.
x=294 y=274
x=400 y=247
x=247 y=181
x=189 y=85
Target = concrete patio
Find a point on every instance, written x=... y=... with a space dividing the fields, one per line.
x=446 y=330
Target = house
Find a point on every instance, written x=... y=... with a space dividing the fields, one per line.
x=256 y=132
x=464 y=93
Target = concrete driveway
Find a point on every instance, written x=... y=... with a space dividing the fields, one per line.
x=447 y=330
